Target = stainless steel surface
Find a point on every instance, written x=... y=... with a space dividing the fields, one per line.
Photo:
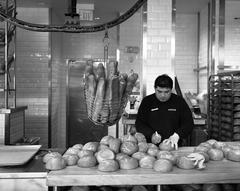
x=50 y=87
x=212 y=38
x=144 y=50
x=173 y=40
x=6 y=52
x=79 y=128
x=221 y=28
x=198 y=48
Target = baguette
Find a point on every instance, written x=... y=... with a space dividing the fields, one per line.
x=114 y=97
x=106 y=108
x=112 y=69
x=131 y=80
x=122 y=86
x=90 y=94
x=100 y=73
x=98 y=102
x=88 y=68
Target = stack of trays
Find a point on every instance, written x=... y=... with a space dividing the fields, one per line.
x=224 y=107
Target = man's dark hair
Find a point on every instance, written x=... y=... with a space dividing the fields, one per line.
x=163 y=81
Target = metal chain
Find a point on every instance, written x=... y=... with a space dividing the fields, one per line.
x=71 y=28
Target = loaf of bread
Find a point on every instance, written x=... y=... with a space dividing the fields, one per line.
x=107 y=91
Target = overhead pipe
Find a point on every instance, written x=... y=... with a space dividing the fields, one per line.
x=72 y=28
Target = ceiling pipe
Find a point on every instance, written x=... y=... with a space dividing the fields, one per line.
x=72 y=28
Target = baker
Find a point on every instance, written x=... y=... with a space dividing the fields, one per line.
x=164 y=112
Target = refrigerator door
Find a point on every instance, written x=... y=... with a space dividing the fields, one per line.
x=79 y=128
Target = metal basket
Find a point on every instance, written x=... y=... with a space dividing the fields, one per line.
x=111 y=112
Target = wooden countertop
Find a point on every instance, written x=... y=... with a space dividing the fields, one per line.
x=216 y=172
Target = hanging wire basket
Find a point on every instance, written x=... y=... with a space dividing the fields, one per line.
x=110 y=113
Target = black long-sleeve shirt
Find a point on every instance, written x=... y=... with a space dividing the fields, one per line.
x=166 y=118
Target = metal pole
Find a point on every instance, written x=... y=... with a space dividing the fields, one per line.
x=6 y=88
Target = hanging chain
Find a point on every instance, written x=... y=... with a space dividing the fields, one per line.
x=106 y=43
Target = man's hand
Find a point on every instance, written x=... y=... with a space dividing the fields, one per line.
x=173 y=140
x=198 y=160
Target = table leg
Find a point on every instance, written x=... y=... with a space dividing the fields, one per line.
x=158 y=187
x=55 y=188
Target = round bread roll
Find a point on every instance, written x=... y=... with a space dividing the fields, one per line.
x=140 y=137
x=120 y=156
x=50 y=155
x=83 y=153
x=71 y=160
x=167 y=155
x=91 y=146
x=147 y=162
x=163 y=165
x=129 y=147
x=233 y=155
x=87 y=161
x=128 y=163
x=142 y=147
x=153 y=151
x=114 y=144
x=55 y=163
x=105 y=140
x=139 y=155
x=104 y=154
x=166 y=146
x=184 y=162
x=77 y=146
x=215 y=154
x=108 y=165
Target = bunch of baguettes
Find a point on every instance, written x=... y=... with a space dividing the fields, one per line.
x=107 y=91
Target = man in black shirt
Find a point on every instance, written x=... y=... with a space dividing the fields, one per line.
x=164 y=112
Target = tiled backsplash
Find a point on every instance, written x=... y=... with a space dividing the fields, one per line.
x=159 y=31
x=186 y=51
x=232 y=34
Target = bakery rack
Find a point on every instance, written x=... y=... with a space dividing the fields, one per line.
x=224 y=106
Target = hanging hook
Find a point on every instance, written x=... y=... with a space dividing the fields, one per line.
x=106 y=42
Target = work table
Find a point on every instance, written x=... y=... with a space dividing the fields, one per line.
x=36 y=177
x=216 y=172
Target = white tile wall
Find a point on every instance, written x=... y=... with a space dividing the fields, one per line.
x=232 y=34
x=131 y=35
x=89 y=45
x=186 y=51
x=159 y=29
x=203 y=49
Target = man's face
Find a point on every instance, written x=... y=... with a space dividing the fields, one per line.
x=163 y=94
